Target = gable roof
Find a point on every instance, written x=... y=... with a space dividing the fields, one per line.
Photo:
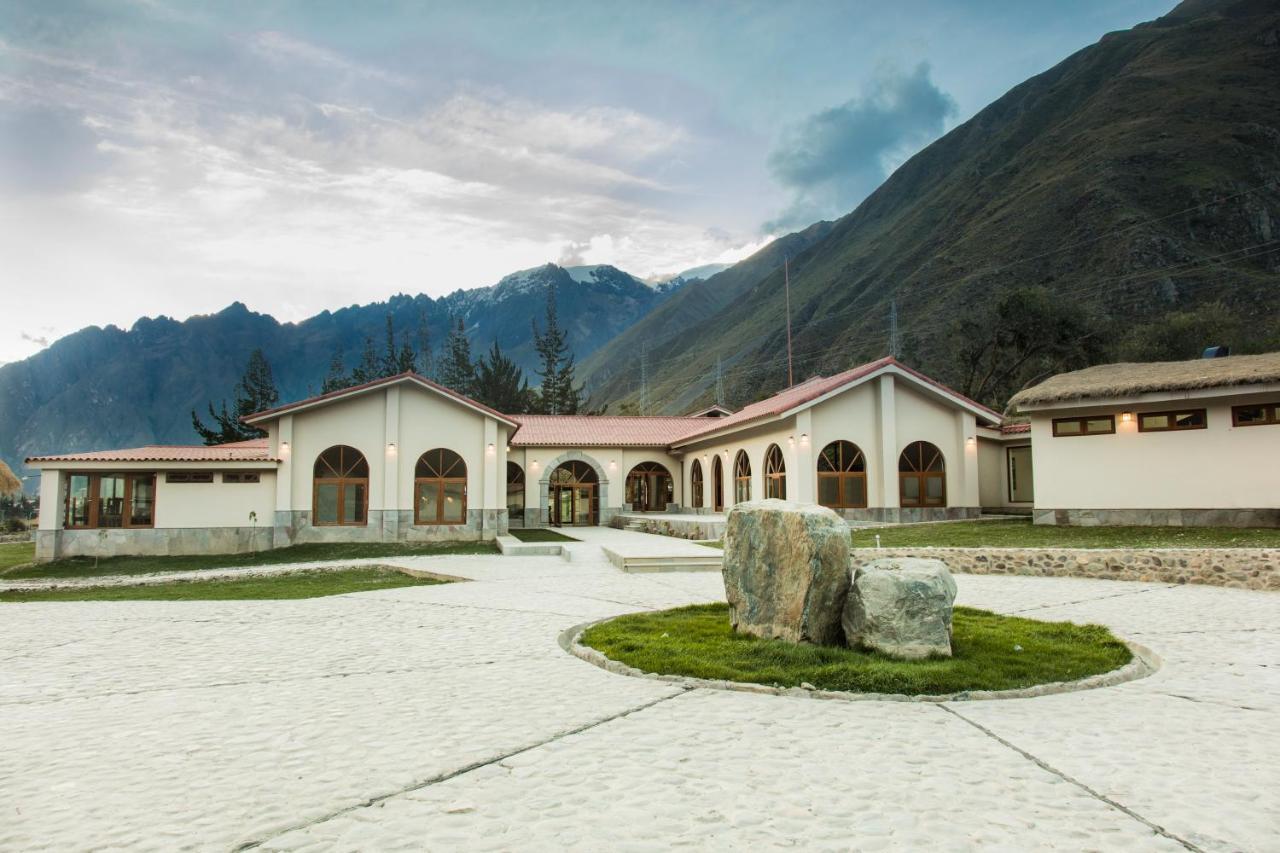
x=812 y=390
x=1129 y=379
x=356 y=390
x=254 y=450
x=601 y=430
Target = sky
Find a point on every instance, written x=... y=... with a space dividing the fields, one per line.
x=159 y=157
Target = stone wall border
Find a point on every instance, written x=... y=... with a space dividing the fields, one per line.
x=1238 y=568
x=1144 y=663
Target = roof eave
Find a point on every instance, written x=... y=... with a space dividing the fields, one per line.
x=1236 y=390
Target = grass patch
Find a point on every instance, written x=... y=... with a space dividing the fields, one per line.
x=539 y=534
x=16 y=554
x=1021 y=533
x=307 y=584
x=697 y=641
x=83 y=567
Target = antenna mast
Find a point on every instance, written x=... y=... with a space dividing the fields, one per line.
x=719 y=383
x=786 y=280
x=893 y=329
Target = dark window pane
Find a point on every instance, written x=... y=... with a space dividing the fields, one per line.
x=855 y=491
x=326 y=503
x=353 y=503
x=829 y=491
x=1066 y=428
x=111 y=501
x=1154 y=421
x=142 y=501
x=455 y=496
x=78 y=501
x=910 y=491
x=1098 y=425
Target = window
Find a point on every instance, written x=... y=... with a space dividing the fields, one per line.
x=922 y=478
x=1171 y=421
x=341 y=487
x=741 y=477
x=1096 y=425
x=1020 y=477
x=1255 y=414
x=717 y=484
x=515 y=492
x=695 y=483
x=240 y=477
x=189 y=477
x=649 y=487
x=110 y=500
x=842 y=476
x=440 y=488
x=775 y=473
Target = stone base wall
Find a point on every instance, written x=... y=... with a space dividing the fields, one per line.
x=151 y=542
x=909 y=515
x=681 y=529
x=1243 y=568
x=1256 y=517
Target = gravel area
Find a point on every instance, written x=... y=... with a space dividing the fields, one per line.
x=448 y=717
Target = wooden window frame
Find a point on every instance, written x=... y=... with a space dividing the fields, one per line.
x=1171 y=414
x=1084 y=426
x=637 y=474
x=922 y=478
x=775 y=473
x=193 y=477
x=843 y=476
x=695 y=483
x=342 y=483
x=741 y=478
x=1272 y=410
x=241 y=477
x=439 y=483
x=717 y=484
x=94 y=500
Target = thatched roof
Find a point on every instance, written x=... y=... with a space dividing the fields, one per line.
x=9 y=483
x=1126 y=380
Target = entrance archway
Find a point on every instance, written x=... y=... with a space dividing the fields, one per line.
x=573 y=495
x=649 y=488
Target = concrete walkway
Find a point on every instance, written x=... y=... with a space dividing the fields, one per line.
x=448 y=718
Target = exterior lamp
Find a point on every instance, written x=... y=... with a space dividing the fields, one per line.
x=391 y=448
x=791 y=440
x=971 y=441
x=491 y=447
x=804 y=438
x=613 y=465
x=1125 y=417
x=284 y=448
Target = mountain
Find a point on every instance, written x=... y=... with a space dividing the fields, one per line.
x=109 y=387
x=1126 y=201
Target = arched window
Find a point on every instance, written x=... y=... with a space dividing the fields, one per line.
x=717 y=484
x=775 y=473
x=741 y=477
x=440 y=488
x=922 y=476
x=573 y=494
x=649 y=487
x=515 y=493
x=340 y=493
x=842 y=476
x=695 y=484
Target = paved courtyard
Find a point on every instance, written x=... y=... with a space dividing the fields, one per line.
x=448 y=718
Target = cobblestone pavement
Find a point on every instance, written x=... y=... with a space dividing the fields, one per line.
x=448 y=718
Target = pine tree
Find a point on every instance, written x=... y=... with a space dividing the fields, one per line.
x=336 y=379
x=370 y=366
x=423 y=364
x=558 y=395
x=255 y=392
x=500 y=383
x=456 y=370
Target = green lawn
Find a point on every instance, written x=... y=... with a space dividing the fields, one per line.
x=1019 y=533
x=697 y=641
x=15 y=554
x=539 y=534
x=309 y=584
x=83 y=567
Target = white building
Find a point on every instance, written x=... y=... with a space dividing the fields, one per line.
x=1171 y=443
x=404 y=459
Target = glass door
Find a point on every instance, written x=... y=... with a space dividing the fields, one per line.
x=582 y=496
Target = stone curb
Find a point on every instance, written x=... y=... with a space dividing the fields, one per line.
x=1144 y=663
x=156 y=578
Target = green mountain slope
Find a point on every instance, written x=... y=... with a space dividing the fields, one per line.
x=1136 y=184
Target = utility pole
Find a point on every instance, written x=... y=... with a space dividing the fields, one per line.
x=894 y=347
x=786 y=281
x=719 y=383
x=644 y=377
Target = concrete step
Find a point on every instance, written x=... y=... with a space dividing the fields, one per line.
x=679 y=562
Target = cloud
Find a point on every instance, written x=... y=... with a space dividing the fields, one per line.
x=833 y=159
x=39 y=340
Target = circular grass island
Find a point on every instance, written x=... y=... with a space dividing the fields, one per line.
x=990 y=652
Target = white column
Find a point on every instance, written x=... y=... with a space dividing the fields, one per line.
x=391 y=464
x=805 y=477
x=283 y=532
x=967 y=430
x=500 y=470
x=490 y=500
x=887 y=475
x=50 y=499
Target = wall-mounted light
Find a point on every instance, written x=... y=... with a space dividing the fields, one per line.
x=804 y=438
x=391 y=448
x=1125 y=417
x=284 y=448
x=971 y=441
x=613 y=465
x=492 y=449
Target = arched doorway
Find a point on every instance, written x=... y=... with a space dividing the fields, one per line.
x=922 y=476
x=573 y=495
x=717 y=484
x=695 y=485
x=515 y=494
x=775 y=473
x=649 y=488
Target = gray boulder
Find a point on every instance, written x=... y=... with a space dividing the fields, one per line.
x=901 y=606
x=786 y=571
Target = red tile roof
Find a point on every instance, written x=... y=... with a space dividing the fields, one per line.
x=266 y=414
x=601 y=430
x=254 y=450
x=1011 y=429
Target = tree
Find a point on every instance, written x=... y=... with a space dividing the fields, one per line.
x=370 y=366
x=396 y=360
x=456 y=370
x=1020 y=338
x=558 y=394
x=423 y=364
x=500 y=383
x=336 y=379
x=255 y=392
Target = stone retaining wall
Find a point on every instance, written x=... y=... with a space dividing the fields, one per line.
x=1242 y=568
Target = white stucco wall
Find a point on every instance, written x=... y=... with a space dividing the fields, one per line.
x=215 y=504
x=614 y=464
x=1222 y=466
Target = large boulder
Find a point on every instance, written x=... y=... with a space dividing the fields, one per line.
x=786 y=571
x=901 y=606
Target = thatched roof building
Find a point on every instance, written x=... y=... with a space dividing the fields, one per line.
x=9 y=482
x=1107 y=381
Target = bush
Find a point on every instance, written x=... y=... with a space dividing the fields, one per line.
x=14 y=525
